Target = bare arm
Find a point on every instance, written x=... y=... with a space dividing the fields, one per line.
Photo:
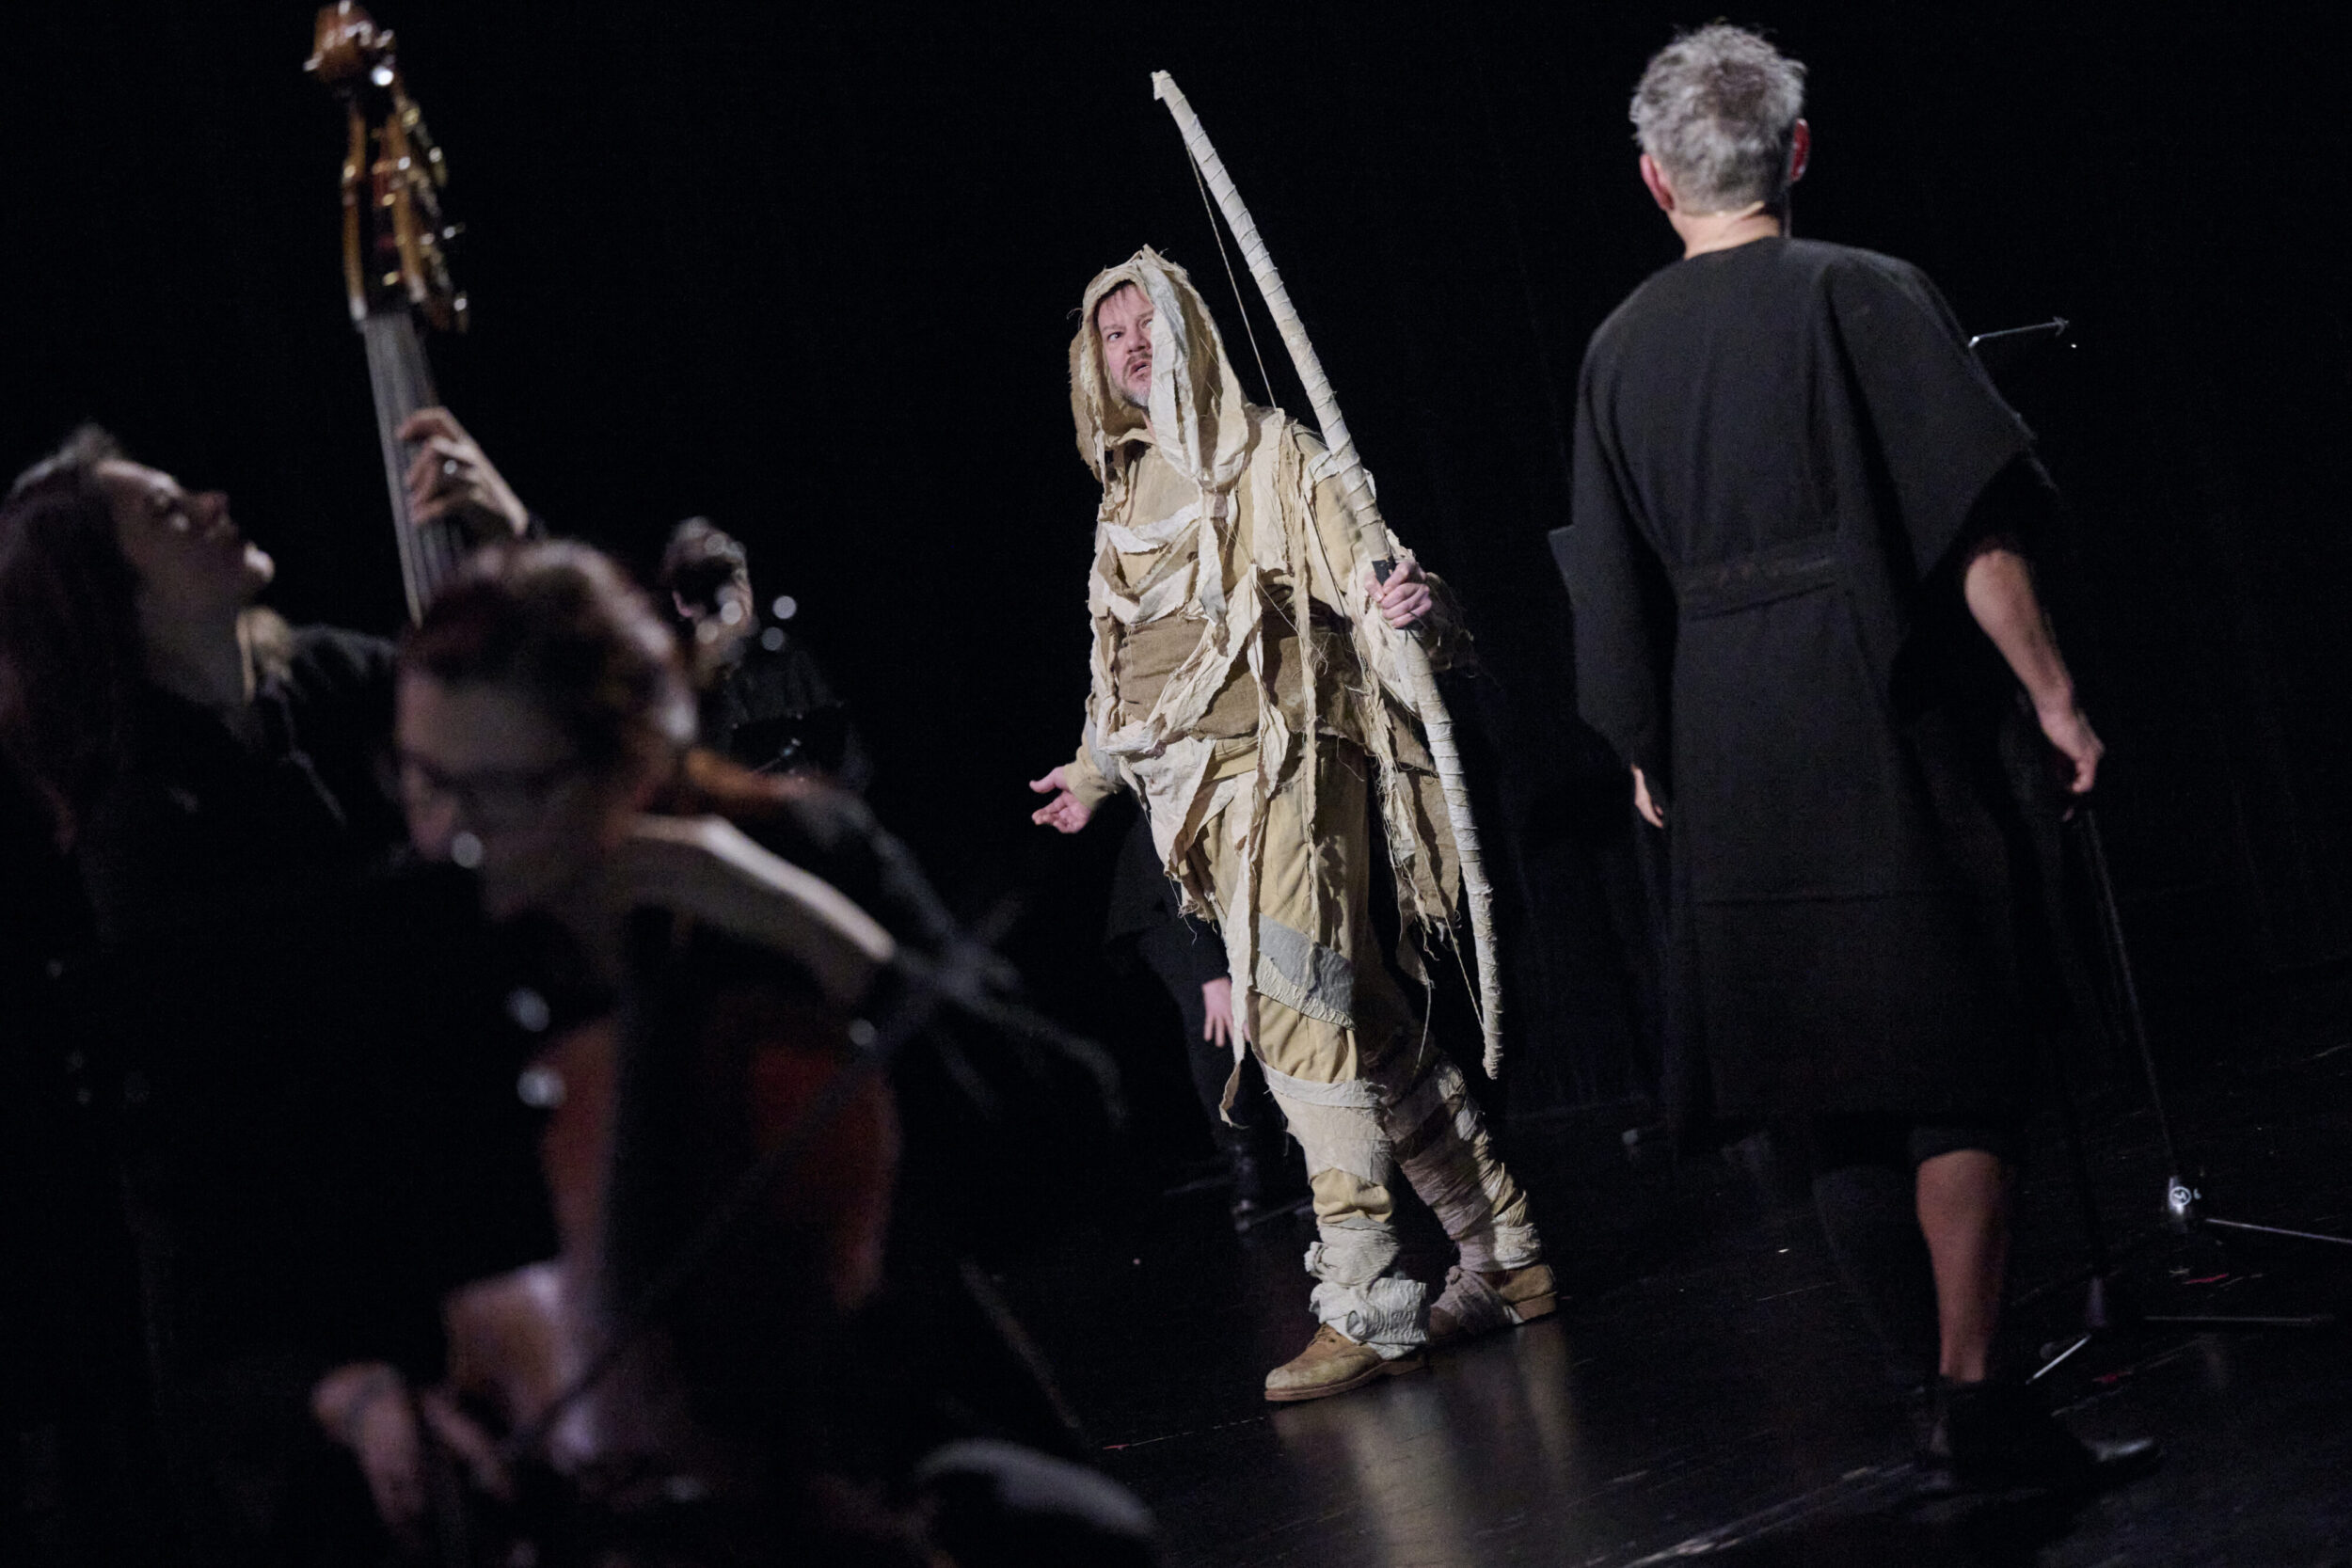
x=707 y=867
x=1998 y=586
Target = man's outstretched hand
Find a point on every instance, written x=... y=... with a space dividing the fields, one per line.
x=1064 y=812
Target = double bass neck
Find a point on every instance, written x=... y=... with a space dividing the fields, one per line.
x=396 y=274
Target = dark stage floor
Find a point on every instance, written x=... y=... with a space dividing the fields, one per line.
x=1706 y=1391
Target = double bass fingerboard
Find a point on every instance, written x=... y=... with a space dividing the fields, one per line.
x=402 y=382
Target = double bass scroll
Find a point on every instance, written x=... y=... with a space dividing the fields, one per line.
x=396 y=271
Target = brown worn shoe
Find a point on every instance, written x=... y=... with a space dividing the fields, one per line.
x=1332 y=1364
x=1475 y=1303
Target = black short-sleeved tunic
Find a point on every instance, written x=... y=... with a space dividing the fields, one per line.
x=1779 y=451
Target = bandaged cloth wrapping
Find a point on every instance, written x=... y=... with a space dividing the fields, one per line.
x=1244 y=687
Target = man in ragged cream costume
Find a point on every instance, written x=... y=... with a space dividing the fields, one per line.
x=1247 y=688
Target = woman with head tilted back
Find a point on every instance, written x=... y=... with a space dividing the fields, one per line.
x=208 y=780
x=188 y=744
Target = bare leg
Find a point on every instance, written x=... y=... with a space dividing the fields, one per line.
x=1964 y=1211
x=1994 y=1436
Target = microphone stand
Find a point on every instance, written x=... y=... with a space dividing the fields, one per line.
x=2105 y=1310
x=2184 y=1203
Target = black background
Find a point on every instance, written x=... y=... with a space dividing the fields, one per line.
x=810 y=270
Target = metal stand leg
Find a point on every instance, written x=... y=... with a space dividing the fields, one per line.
x=2184 y=1204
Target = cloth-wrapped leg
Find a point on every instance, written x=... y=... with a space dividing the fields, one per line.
x=1440 y=1138
x=1359 y=1289
x=1359 y=1292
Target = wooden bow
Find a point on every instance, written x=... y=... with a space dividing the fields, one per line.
x=1372 y=544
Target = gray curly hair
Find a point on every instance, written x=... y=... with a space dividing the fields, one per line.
x=1717 y=109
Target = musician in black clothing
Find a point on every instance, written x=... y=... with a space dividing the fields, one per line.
x=207 y=784
x=70 y=1372
x=692 y=981
x=765 y=701
x=188 y=744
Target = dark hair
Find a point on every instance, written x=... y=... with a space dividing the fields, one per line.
x=561 y=622
x=70 y=647
x=700 y=558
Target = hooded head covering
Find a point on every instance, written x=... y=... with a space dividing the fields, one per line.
x=1199 y=421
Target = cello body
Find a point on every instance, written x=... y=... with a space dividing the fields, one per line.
x=698 y=1429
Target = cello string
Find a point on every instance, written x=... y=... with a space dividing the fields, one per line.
x=958 y=978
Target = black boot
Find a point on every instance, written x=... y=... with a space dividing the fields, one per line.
x=1996 y=1437
x=1250 y=1187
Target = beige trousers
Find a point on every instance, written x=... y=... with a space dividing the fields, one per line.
x=1363 y=1090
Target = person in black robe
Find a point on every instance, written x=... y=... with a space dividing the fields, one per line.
x=1804 y=618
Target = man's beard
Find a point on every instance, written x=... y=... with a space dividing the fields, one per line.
x=1133 y=399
